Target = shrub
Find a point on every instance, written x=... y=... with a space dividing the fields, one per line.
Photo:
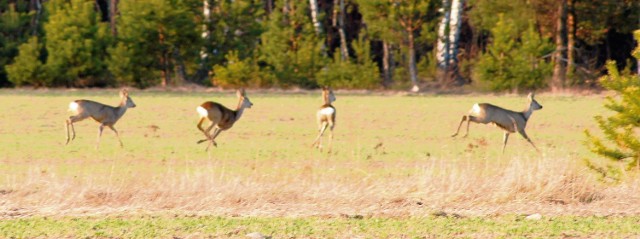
x=27 y=69
x=239 y=73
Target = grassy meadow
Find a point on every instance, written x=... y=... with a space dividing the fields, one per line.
x=394 y=171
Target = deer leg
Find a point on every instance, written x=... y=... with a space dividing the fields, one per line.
x=213 y=137
x=99 y=135
x=201 y=129
x=464 y=117
x=318 y=141
x=330 y=136
x=117 y=135
x=70 y=121
x=504 y=142
x=524 y=134
x=66 y=127
x=469 y=119
x=206 y=132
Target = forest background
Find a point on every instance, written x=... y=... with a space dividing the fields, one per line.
x=496 y=45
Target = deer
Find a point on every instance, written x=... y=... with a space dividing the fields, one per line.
x=507 y=120
x=221 y=117
x=106 y=115
x=325 y=117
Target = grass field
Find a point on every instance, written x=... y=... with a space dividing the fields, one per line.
x=393 y=165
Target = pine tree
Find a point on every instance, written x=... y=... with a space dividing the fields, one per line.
x=15 y=30
x=358 y=74
x=400 y=21
x=153 y=36
x=289 y=46
x=28 y=69
x=514 y=61
x=622 y=129
x=76 y=43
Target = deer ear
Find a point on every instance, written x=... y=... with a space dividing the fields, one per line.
x=240 y=93
x=530 y=96
x=124 y=92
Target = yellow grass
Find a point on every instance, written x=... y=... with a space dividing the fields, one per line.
x=392 y=157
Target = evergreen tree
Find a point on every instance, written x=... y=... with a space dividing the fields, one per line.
x=14 y=30
x=239 y=73
x=235 y=27
x=153 y=36
x=235 y=33
x=76 y=43
x=28 y=69
x=400 y=22
x=358 y=74
x=289 y=46
x=514 y=61
x=622 y=129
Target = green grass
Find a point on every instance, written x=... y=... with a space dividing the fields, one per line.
x=229 y=227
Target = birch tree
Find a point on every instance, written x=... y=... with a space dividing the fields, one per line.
x=313 y=4
x=338 y=22
x=449 y=35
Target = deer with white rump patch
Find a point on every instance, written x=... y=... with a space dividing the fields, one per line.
x=509 y=121
x=326 y=117
x=104 y=114
x=222 y=118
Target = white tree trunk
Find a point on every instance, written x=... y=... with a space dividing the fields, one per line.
x=455 y=24
x=313 y=4
x=206 y=12
x=442 y=47
x=449 y=32
x=203 y=71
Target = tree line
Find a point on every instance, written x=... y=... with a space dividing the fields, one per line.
x=502 y=45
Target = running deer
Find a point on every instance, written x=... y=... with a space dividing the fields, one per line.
x=509 y=121
x=326 y=117
x=222 y=118
x=104 y=114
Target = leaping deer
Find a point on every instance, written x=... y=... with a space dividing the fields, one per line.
x=326 y=117
x=104 y=114
x=509 y=121
x=222 y=118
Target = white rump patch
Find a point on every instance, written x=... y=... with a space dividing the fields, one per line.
x=475 y=109
x=73 y=107
x=327 y=111
x=202 y=111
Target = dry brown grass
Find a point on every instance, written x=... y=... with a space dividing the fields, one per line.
x=548 y=185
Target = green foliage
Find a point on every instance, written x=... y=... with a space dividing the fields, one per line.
x=239 y=73
x=428 y=66
x=28 y=69
x=290 y=48
x=14 y=29
x=622 y=129
x=238 y=18
x=487 y=14
x=152 y=36
x=514 y=61
x=363 y=73
x=399 y=22
x=76 y=43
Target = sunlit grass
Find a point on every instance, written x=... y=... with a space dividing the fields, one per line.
x=392 y=157
x=224 y=227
